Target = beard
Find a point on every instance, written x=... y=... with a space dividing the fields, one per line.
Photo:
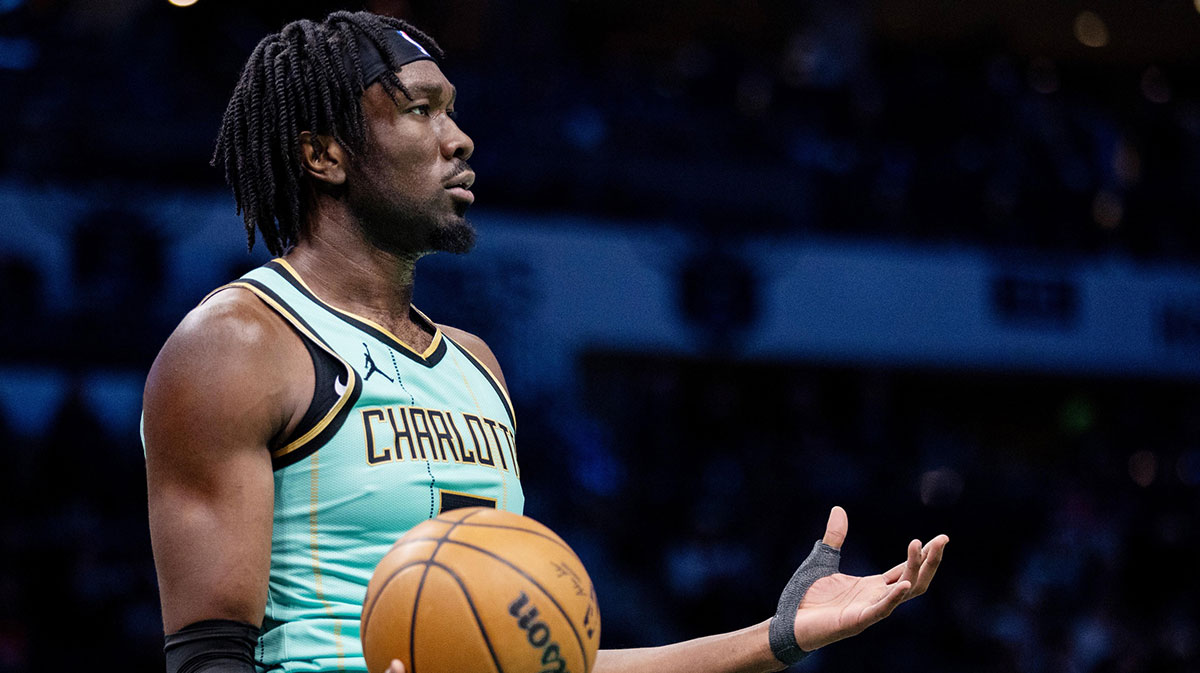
x=407 y=228
x=456 y=237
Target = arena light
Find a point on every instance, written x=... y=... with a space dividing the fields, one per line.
x=189 y=3
x=1090 y=29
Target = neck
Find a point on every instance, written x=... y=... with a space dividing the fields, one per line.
x=345 y=270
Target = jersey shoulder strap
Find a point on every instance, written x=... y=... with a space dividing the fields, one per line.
x=337 y=386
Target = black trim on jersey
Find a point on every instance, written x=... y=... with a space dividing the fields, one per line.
x=452 y=500
x=328 y=369
x=397 y=345
x=512 y=417
x=295 y=456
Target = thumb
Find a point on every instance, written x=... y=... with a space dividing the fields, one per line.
x=836 y=527
x=396 y=667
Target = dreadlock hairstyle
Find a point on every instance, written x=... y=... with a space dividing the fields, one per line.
x=306 y=77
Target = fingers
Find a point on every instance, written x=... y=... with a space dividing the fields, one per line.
x=396 y=667
x=895 y=573
x=933 y=558
x=836 y=527
x=920 y=566
x=896 y=595
x=916 y=556
x=911 y=566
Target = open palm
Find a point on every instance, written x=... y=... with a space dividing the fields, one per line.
x=839 y=606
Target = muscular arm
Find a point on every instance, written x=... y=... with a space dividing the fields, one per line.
x=224 y=386
x=834 y=607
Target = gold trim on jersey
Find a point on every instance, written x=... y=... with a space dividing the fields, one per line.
x=298 y=326
x=437 y=331
x=495 y=379
x=315 y=551
x=473 y=496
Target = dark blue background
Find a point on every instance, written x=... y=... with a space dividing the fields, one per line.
x=691 y=480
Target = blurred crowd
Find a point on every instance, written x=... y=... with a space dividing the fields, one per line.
x=829 y=134
x=1070 y=506
x=775 y=116
x=691 y=488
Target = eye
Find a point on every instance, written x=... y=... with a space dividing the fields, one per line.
x=453 y=114
x=422 y=110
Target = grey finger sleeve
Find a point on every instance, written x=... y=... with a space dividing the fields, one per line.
x=822 y=562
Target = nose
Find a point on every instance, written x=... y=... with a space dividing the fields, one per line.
x=455 y=143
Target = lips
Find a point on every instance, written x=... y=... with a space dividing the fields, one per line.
x=459 y=186
x=463 y=180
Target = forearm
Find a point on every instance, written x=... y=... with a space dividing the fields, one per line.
x=744 y=651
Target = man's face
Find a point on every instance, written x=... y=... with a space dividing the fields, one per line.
x=410 y=187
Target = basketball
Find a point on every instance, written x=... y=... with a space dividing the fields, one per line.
x=481 y=590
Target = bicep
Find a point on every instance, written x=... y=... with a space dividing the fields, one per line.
x=211 y=543
x=211 y=487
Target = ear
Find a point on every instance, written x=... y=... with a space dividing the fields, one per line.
x=323 y=158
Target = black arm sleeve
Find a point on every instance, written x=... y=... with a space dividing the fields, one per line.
x=212 y=646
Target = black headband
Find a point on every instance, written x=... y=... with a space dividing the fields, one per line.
x=403 y=48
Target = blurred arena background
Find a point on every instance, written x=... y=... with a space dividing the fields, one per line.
x=937 y=261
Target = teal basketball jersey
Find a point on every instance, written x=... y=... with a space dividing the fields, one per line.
x=397 y=437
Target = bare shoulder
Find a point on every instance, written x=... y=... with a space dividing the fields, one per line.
x=231 y=322
x=478 y=348
x=230 y=363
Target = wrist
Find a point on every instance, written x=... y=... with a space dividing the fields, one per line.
x=764 y=655
x=821 y=562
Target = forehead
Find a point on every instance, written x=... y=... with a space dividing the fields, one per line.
x=425 y=78
x=422 y=79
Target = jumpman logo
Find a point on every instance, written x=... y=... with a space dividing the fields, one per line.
x=372 y=367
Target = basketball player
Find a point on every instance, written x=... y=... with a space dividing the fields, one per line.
x=303 y=417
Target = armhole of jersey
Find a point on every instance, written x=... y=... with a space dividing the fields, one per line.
x=336 y=385
x=501 y=390
x=328 y=380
